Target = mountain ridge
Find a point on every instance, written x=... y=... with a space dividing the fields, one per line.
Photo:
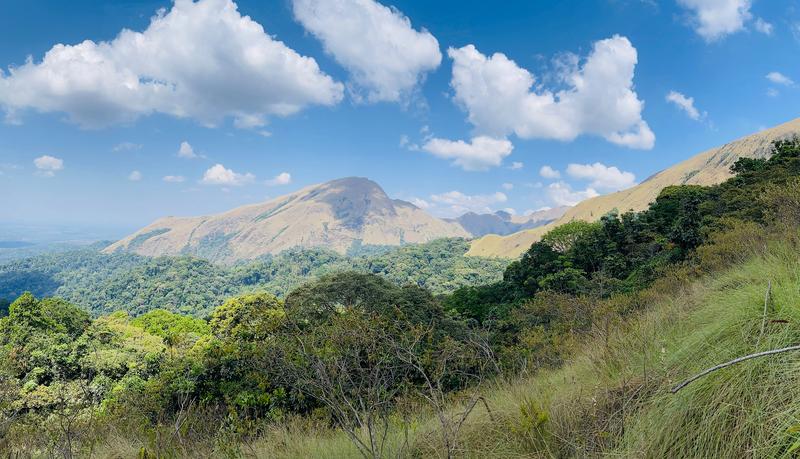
x=706 y=168
x=333 y=214
x=503 y=223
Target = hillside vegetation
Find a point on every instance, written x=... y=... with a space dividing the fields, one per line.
x=706 y=169
x=613 y=398
x=104 y=283
x=572 y=353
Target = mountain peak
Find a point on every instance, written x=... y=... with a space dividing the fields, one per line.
x=334 y=214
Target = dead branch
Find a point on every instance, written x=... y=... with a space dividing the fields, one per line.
x=732 y=362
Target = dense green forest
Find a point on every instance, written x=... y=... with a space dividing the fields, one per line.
x=365 y=354
x=103 y=283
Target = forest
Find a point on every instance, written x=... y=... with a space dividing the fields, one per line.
x=178 y=357
x=104 y=283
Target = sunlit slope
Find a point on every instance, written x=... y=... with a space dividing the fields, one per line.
x=333 y=215
x=707 y=168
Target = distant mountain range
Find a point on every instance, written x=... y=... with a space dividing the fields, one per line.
x=337 y=215
x=707 y=168
x=504 y=223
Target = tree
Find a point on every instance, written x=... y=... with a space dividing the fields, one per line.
x=349 y=365
x=563 y=237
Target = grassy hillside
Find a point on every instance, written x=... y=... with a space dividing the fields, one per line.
x=613 y=398
x=708 y=168
x=572 y=354
x=334 y=215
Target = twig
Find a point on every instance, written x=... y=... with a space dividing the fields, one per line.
x=734 y=361
x=764 y=317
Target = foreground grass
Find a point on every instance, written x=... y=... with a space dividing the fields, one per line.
x=614 y=397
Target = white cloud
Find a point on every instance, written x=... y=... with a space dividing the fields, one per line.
x=284 y=178
x=47 y=166
x=479 y=154
x=200 y=60
x=516 y=165
x=127 y=146
x=421 y=203
x=384 y=55
x=502 y=98
x=219 y=175
x=455 y=203
x=686 y=104
x=562 y=194
x=508 y=186
x=549 y=173
x=174 y=179
x=763 y=26
x=772 y=92
x=779 y=78
x=715 y=19
x=602 y=177
x=135 y=176
x=186 y=151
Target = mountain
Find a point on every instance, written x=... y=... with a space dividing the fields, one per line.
x=707 y=168
x=503 y=223
x=335 y=215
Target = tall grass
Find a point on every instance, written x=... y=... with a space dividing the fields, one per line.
x=614 y=399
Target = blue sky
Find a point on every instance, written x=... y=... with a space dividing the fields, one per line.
x=282 y=94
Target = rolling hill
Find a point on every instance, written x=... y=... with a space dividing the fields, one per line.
x=707 y=168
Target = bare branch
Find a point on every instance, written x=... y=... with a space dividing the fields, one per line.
x=732 y=362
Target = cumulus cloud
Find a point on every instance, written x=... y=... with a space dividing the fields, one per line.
x=479 y=154
x=135 y=176
x=47 y=166
x=602 y=177
x=549 y=173
x=763 y=26
x=779 y=78
x=200 y=60
x=385 y=56
x=455 y=203
x=174 y=179
x=284 y=178
x=686 y=104
x=219 y=175
x=502 y=98
x=562 y=194
x=186 y=151
x=716 y=19
x=508 y=186
x=516 y=165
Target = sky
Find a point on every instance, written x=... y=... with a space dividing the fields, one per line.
x=113 y=114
